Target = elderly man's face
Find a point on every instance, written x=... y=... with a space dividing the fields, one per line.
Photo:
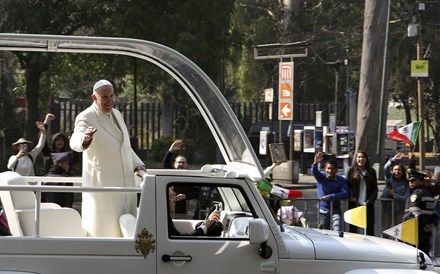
x=180 y=163
x=104 y=98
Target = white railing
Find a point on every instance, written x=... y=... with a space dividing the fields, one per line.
x=35 y=185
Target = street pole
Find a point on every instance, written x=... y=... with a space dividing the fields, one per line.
x=336 y=95
x=383 y=92
x=420 y=110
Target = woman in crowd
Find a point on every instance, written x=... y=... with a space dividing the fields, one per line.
x=396 y=188
x=362 y=182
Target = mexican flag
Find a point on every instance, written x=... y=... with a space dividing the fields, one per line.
x=279 y=191
x=407 y=134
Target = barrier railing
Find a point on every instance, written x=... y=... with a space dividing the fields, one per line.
x=310 y=209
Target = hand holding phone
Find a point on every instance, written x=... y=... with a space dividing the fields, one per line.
x=218 y=207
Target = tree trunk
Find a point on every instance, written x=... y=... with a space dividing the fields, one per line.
x=371 y=77
x=292 y=20
x=33 y=75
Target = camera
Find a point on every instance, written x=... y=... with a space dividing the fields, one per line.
x=24 y=147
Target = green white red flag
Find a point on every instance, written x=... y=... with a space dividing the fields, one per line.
x=279 y=191
x=408 y=134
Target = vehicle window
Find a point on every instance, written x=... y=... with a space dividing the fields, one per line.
x=206 y=211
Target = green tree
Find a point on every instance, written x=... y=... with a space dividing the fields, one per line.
x=50 y=17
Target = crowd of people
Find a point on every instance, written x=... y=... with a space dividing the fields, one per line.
x=408 y=194
x=101 y=136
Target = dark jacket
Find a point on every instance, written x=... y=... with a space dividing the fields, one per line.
x=48 y=149
x=421 y=204
x=190 y=191
x=371 y=182
x=371 y=196
x=61 y=198
x=167 y=159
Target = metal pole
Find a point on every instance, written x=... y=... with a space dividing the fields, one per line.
x=383 y=91
x=420 y=110
x=336 y=95
x=135 y=103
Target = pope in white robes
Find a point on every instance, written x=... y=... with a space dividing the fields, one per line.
x=108 y=161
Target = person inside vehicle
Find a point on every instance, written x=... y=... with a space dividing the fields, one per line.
x=211 y=226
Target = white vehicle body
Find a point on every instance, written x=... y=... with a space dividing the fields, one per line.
x=254 y=241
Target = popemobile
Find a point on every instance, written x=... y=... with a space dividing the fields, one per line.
x=49 y=239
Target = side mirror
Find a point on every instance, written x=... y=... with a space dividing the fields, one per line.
x=258 y=231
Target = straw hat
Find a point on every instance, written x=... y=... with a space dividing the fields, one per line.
x=22 y=141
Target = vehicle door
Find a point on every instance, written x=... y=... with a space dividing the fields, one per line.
x=229 y=253
x=74 y=255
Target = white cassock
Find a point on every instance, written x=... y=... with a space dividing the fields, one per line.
x=110 y=162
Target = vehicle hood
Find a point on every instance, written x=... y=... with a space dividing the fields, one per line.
x=328 y=245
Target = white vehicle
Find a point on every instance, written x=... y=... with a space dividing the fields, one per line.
x=48 y=239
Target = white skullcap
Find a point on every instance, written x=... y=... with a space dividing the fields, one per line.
x=100 y=84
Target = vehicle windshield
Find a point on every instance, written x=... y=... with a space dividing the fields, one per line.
x=224 y=125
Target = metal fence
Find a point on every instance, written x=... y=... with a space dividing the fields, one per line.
x=310 y=208
x=145 y=120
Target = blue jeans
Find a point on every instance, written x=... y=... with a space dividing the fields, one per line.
x=324 y=220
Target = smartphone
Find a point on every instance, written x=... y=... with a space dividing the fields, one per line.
x=217 y=206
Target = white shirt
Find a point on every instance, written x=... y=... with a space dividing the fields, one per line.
x=363 y=189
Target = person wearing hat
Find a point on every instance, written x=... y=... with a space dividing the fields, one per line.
x=108 y=161
x=421 y=205
x=60 y=168
x=23 y=161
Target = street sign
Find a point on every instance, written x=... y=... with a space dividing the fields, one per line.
x=268 y=95
x=285 y=88
x=419 y=68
